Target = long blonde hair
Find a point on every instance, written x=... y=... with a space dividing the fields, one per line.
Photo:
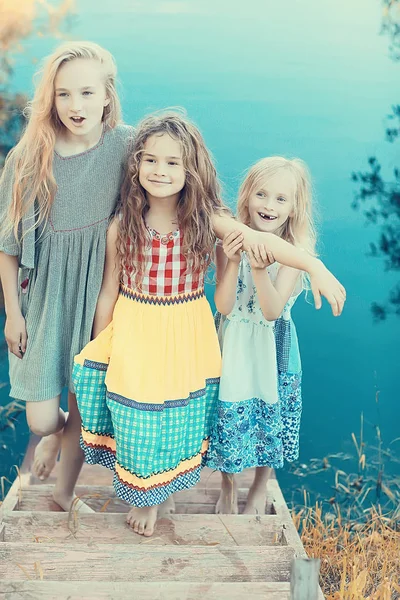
x=199 y=199
x=299 y=229
x=33 y=155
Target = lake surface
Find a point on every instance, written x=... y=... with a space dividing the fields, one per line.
x=313 y=80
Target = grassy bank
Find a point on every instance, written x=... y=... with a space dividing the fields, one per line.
x=356 y=531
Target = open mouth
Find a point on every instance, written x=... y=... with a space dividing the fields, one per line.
x=77 y=120
x=267 y=217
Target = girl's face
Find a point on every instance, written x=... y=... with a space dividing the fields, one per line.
x=272 y=204
x=161 y=171
x=80 y=95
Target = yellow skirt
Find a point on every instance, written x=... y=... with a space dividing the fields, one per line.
x=147 y=388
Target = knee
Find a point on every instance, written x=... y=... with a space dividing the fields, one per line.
x=44 y=428
x=43 y=417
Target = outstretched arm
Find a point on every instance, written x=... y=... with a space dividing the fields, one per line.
x=323 y=283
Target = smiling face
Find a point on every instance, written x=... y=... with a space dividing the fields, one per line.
x=272 y=202
x=161 y=171
x=80 y=96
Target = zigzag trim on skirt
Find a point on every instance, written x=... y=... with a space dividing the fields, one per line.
x=167 y=404
x=92 y=364
x=157 y=495
x=161 y=300
x=98 y=456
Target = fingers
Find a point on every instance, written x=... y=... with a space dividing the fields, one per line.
x=232 y=236
x=23 y=342
x=270 y=257
x=317 y=297
x=18 y=347
x=232 y=244
x=15 y=348
x=259 y=256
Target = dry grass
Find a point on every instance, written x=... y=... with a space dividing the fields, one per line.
x=8 y=414
x=357 y=537
x=358 y=560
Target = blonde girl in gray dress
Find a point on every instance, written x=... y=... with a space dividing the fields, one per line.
x=58 y=189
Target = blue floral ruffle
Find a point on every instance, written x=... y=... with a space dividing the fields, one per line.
x=253 y=433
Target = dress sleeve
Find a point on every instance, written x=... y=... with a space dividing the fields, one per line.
x=8 y=242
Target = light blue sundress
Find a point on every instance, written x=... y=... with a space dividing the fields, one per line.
x=257 y=420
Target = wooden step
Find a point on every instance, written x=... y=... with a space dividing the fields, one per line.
x=79 y=590
x=197 y=500
x=111 y=528
x=98 y=475
x=118 y=562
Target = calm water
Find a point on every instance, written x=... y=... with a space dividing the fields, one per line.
x=307 y=79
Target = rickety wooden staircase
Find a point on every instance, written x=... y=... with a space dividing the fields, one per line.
x=193 y=554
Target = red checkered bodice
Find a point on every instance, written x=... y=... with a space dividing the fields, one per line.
x=166 y=272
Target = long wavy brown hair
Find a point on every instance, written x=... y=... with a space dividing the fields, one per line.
x=33 y=155
x=199 y=199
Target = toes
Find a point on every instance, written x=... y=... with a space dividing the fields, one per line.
x=140 y=529
x=148 y=531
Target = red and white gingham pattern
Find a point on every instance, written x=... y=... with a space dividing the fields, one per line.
x=165 y=273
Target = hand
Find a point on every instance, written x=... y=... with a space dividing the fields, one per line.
x=259 y=257
x=232 y=244
x=325 y=284
x=15 y=334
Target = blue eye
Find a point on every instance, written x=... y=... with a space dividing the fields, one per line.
x=87 y=92
x=260 y=194
x=281 y=199
x=62 y=94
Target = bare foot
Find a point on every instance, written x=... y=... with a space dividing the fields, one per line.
x=46 y=453
x=167 y=507
x=256 y=500
x=227 y=503
x=142 y=520
x=71 y=503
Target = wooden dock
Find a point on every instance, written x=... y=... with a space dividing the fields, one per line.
x=194 y=554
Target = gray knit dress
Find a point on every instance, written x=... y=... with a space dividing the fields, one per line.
x=61 y=267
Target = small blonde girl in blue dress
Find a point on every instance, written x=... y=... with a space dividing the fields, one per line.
x=259 y=406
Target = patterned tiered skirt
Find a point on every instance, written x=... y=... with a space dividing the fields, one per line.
x=147 y=388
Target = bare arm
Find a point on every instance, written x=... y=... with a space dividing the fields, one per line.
x=110 y=286
x=227 y=276
x=322 y=281
x=15 y=328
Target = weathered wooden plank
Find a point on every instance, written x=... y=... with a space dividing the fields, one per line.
x=117 y=562
x=11 y=501
x=304 y=579
x=111 y=528
x=76 y=590
x=280 y=506
x=39 y=498
x=98 y=475
x=249 y=530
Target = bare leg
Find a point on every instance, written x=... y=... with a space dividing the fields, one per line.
x=257 y=495
x=227 y=503
x=71 y=461
x=167 y=507
x=143 y=520
x=46 y=419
